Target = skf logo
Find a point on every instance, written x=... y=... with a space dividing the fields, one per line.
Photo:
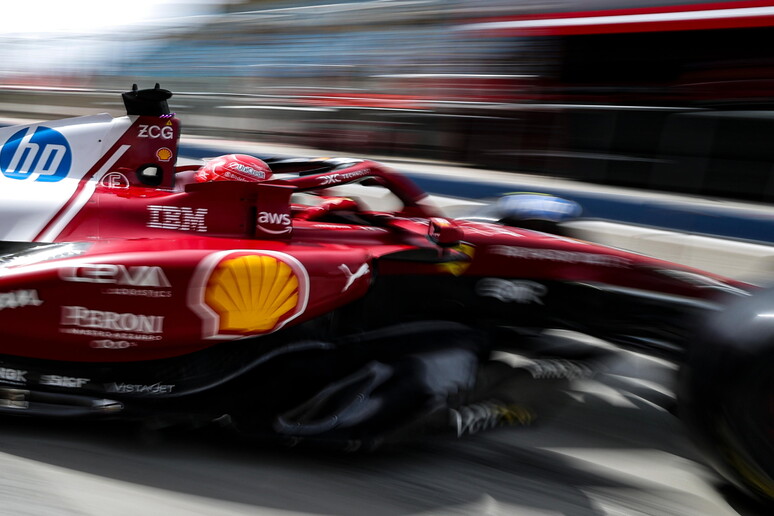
x=63 y=381
x=180 y=218
x=154 y=132
x=43 y=154
x=117 y=274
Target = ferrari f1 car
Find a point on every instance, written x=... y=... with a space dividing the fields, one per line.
x=328 y=300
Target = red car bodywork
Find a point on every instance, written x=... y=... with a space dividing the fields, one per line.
x=175 y=266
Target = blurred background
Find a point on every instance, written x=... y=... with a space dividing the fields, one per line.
x=662 y=95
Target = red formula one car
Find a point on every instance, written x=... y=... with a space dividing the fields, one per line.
x=326 y=300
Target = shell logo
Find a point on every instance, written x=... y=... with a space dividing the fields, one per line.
x=164 y=154
x=458 y=267
x=249 y=294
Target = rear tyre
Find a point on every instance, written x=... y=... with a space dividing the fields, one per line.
x=727 y=394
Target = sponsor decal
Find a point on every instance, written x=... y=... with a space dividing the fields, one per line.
x=268 y=289
x=164 y=154
x=240 y=167
x=155 y=132
x=511 y=291
x=179 y=218
x=134 y=388
x=457 y=267
x=133 y=276
x=111 y=325
x=15 y=376
x=70 y=382
x=331 y=179
x=137 y=292
x=248 y=292
x=112 y=344
x=114 y=180
x=352 y=276
x=41 y=153
x=556 y=255
x=19 y=299
x=274 y=219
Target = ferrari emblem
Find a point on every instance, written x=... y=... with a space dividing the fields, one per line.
x=458 y=267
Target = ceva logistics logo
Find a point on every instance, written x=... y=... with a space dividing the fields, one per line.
x=43 y=154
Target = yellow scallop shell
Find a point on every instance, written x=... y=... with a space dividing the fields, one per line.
x=250 y=293
x=164 y=154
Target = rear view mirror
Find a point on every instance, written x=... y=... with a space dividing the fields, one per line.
x=443 y=232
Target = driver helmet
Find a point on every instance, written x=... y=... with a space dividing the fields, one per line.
x=234 y=167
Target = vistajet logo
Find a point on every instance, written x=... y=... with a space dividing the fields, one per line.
x=131 y=388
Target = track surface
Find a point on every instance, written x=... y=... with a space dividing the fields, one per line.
x=611 y=451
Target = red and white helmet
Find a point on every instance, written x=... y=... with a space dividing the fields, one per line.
x=234 y=167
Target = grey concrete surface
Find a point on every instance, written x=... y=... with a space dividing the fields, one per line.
x=610 y=451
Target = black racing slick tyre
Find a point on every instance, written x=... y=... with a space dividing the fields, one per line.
x=726 y=394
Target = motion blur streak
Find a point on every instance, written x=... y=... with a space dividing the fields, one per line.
x=660 y=102
x=666 y=95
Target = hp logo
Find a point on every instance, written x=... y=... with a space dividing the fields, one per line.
x=44 y=154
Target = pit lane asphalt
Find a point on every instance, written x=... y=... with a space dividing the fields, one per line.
x=611 y=451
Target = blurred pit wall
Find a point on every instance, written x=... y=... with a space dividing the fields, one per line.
x=725 y=154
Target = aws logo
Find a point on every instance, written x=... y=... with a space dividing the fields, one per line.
x=41 y=153
x=274 y=223
x=265 y=217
